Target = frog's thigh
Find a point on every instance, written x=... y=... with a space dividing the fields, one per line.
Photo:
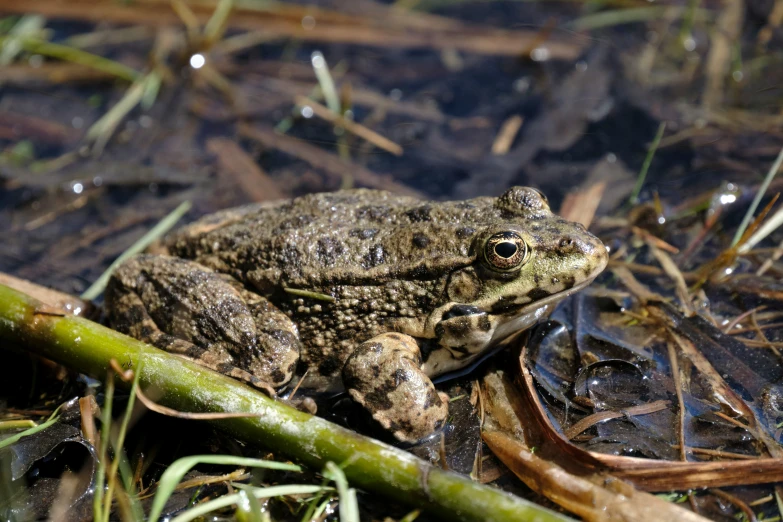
x=128 y=315
x=384 y=376
x=184 y=308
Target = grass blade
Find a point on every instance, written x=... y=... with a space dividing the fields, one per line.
x=173 y=475
x=101 y=130
x=646 y=165
x=756 y=200
x=349 y=507
x=71 y=54
x=13 y=439
x=326 y=81
x=28 y=25
x=229 y=500
x=155 y=232
x=217 y=23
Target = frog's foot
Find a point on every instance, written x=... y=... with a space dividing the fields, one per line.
x=384 y=375
x=187 y=309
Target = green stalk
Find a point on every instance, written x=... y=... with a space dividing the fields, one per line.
x=646 y=165
x=88 y=347
x=139 y=246
x=773 y=170
x=71 y=54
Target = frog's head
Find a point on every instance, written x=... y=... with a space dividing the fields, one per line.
x=525 y=260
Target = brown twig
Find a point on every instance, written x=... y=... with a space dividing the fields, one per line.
x=719 y=453
x=240 y=169
x=761 y=334
x=286 y=21
x=22 y=75
x=677 y=378
x=127 y=376
x=749 y=514
x=725 y=35
x=322 y=159
x=351 y=126
x=734 y=322
x=602 y=416
x=508 y=132
x=581 y=206
x=653 y=240
x=673 y=271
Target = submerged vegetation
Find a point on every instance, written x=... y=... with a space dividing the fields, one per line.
x=655 y=393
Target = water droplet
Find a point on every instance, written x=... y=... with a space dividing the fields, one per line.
x=725 y=199
x=307 y=111
x=308 y=22
x=78 y=188
x=197 y=61
x=725 y=195
x=521 y=85
x=540 y=54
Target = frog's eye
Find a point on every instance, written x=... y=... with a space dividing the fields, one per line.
x=506 y=251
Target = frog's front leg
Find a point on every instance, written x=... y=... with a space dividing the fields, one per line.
x=187 y=309
x=384 y=376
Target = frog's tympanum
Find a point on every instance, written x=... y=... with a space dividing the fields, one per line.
x=364 y=290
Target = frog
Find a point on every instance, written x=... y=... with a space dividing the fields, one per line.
x=360 y=291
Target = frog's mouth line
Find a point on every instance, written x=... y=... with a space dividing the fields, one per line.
x=512 y=323
x=530 y=313
x=554 y=297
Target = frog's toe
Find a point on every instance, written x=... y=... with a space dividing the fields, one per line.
x=384 y=376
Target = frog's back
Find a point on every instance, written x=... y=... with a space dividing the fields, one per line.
x=351 y=236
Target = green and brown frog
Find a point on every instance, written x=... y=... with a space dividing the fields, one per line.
x=361 y=290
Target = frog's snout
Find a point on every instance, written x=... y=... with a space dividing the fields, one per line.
x=586 y=253
x=593 y=252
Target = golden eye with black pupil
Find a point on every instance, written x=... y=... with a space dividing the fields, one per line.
x=506 y=251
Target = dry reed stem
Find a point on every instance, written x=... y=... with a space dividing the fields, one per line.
x=323 y=160
x=240 y=169
x=508 y=132
x=353 y=127
x=330 y=26
x=726 y=33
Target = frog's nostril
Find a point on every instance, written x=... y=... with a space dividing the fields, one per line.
x=566 y=242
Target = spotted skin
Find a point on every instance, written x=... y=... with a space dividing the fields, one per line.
x=205 y=316
x=383 y=375
x=304 y=284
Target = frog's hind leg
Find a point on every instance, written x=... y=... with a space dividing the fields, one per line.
x=131 y=317
x=187 y=309
x=384 y=376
